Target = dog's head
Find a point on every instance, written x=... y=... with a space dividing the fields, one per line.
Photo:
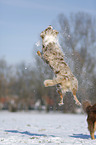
x=49 y=36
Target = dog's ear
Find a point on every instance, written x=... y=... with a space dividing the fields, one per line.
x=86 y=104
x=57 y=32
x=42 y=35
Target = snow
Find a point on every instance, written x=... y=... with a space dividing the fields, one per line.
x=35 y=128
x=38 y=43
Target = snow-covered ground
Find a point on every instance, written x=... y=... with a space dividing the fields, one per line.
x=33 y=128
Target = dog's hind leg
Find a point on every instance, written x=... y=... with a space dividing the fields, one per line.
x=61 y=99
x=94 y=126
x=93 y=131
x=75 y=98
x=91 y=128
x=92 y=135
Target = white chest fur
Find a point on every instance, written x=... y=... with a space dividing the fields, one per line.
x=50 y=39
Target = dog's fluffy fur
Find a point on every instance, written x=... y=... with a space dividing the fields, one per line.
x=91 y=119
x=52 y=55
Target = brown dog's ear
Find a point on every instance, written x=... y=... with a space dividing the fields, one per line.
x=85 y=105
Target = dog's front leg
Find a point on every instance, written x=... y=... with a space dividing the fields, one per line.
x=48 y=83
x=39 y=53
x=53 y=82
x=61 y=99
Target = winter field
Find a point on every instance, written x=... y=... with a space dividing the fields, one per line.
x=34 y=128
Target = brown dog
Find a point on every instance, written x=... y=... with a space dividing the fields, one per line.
x=91 y=119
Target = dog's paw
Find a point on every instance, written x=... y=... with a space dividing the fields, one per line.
x=60 y=104
x=39 y=53
x=78 y=103
x=46 y=83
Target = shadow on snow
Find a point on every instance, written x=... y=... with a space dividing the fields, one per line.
x=82 y=136
x=28 y=133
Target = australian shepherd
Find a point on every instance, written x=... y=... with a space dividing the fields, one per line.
x=91 y=117
x=53 y=56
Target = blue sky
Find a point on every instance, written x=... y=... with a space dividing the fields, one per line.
x=21 y=22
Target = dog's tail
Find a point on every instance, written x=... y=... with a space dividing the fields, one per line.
x=86 y=106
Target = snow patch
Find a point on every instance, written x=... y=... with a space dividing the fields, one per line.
x=33 y=128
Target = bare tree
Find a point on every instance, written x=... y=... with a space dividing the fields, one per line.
x=5 y=74
x=78 y=40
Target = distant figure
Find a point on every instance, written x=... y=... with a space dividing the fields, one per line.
x=52 y=55
x=91 y=119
